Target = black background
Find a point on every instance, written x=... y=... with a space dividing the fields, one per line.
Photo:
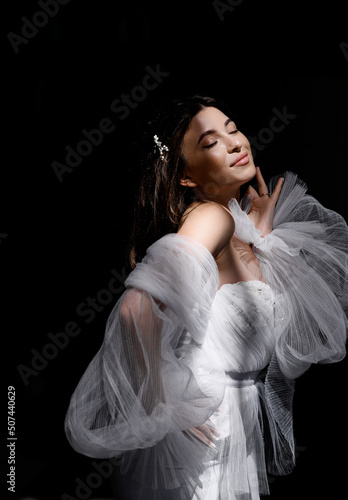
x=60 y=240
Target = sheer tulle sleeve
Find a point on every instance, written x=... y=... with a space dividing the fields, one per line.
x=148 y=385
x=305 y=261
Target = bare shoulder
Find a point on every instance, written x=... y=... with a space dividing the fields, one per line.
x=208 y=223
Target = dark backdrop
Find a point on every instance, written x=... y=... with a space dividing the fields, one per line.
x=63 y=239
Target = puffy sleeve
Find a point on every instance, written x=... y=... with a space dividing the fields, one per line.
x=148 y=385
x=305 y=261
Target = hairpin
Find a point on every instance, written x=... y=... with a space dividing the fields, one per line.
x=160 y=147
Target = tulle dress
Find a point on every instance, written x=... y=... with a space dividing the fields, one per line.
x=180 y=352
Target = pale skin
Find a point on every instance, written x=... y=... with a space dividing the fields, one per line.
x=219 y=162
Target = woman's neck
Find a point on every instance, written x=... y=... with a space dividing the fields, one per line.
x=221 y=198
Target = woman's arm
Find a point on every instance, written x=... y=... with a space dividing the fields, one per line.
x=141 y=335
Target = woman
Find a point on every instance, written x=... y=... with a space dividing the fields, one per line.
x=226 y=290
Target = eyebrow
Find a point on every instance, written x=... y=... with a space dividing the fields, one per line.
x=212 y=131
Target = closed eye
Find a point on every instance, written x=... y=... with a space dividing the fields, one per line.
x=210 y=145
x=213 y=144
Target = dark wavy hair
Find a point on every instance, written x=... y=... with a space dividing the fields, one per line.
x=161 y=199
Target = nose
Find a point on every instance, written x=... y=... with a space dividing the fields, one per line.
x=234 y=144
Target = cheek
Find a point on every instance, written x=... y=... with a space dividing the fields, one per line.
x=215 y=157
x=245 y=141
x=208 y=161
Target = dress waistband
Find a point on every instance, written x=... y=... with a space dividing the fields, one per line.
x=245 y=379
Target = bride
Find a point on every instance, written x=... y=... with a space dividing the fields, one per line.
x=234 y=293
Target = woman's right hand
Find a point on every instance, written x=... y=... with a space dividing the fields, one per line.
x=262 y=209
x=206 y=433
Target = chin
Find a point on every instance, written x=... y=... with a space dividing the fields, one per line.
x=247 y=172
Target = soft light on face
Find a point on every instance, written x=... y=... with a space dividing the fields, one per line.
x=218 y=155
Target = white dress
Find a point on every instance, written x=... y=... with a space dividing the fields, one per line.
x=179 y=353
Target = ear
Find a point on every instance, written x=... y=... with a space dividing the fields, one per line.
x=187 y=181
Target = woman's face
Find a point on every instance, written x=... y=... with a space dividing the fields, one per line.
x=218 y=155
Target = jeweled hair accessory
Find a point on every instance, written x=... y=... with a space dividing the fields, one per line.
x=160 y=146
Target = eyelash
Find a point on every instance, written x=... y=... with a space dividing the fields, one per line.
x=211 y=145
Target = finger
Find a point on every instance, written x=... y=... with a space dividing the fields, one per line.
x=260 y=181
x=275 y=195
x=209 y=432
x=252 y=192
x=211 y=426
x=201 y=437
x=206 y=431
x=215 y=432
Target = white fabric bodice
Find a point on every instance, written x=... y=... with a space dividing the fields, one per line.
x=241 y=334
